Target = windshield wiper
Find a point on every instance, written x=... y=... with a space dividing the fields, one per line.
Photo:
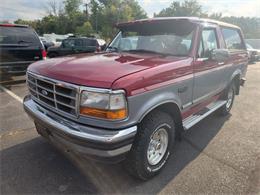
x=111 y=48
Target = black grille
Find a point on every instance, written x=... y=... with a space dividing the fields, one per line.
x=55 y=94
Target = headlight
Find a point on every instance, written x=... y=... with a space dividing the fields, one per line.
x=107 y=105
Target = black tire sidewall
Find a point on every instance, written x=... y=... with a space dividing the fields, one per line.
x=224 y=111
x=147 y=128
x=232 y=87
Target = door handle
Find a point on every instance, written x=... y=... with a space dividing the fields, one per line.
x=182 y=89
x=221 y=63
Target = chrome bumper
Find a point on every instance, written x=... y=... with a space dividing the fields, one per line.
x=82 y=138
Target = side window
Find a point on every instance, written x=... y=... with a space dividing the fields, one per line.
x=79 y=42
x=233 y=39
x=91 y=42
x=208 y=43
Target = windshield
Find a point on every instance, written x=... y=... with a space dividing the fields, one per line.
x=169 y=43
x=249 y=46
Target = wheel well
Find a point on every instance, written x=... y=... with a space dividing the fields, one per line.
x=173 y=110
x=236 y=80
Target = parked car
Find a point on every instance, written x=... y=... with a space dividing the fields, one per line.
x=19 y=47
x=74 y=45
x=253 y=54
x=158 y=78
x=46 y=43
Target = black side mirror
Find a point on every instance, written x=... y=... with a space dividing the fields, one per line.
x=219 y=55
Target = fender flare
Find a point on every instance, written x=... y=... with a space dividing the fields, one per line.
x=156 y=101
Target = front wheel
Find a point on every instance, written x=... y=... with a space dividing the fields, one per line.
x=152 y=146
x=229 y=97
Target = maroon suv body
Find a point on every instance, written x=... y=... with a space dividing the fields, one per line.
x=157 y=78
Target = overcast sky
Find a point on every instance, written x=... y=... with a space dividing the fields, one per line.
x=35 y=9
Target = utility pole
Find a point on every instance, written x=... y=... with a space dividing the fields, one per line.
x=96 y=23
x=86 y=11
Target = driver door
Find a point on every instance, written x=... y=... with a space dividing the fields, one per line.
x=207 y=74
x=68 y=47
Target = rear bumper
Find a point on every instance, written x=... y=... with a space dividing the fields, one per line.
x=98 y=143
x=14 y=68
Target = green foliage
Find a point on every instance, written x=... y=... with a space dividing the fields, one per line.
x=186 y=8
x=99 y=18
x=71 y=7
x=111 y=12
x=85 y=30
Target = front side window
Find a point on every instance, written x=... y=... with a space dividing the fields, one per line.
x=233 y=39
x=175 y=42
x=208 y=43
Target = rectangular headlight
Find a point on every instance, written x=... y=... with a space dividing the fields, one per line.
x=107 y=105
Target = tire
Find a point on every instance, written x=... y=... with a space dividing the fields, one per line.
x=139 y=161
x=52 y=55
x=229 y=96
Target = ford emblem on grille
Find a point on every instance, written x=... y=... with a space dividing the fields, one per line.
x=44 y=92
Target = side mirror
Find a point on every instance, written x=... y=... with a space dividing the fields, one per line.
x=219 y=55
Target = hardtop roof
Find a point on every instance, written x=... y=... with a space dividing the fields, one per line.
x=190 y=19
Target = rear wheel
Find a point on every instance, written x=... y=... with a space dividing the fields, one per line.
x=152 y=146
x=229 y=96
x=52 y=55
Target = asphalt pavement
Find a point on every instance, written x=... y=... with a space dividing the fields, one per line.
x=219 y=155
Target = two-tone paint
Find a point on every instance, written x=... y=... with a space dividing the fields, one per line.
x=183 y=85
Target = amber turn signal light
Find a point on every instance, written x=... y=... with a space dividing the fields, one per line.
x=106 y=114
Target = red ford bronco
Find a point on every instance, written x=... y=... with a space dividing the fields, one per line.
x=157 y=78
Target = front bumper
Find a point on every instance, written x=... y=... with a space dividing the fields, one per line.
x=95 y=142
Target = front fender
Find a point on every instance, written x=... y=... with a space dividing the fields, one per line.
x=141 y=105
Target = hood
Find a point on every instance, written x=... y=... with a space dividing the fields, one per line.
x=99 y=70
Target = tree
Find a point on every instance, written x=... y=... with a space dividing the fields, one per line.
x=186 y=8
x=106 y=13
x=85 y=30
x=102 y=16
x=53 y=8
x=71 y=7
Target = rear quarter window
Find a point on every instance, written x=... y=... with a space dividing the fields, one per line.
x=18 y=35
x=91 y=42
x=233 y=39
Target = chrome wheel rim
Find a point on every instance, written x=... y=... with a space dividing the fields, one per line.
x=230 y=98
x=157 y=146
